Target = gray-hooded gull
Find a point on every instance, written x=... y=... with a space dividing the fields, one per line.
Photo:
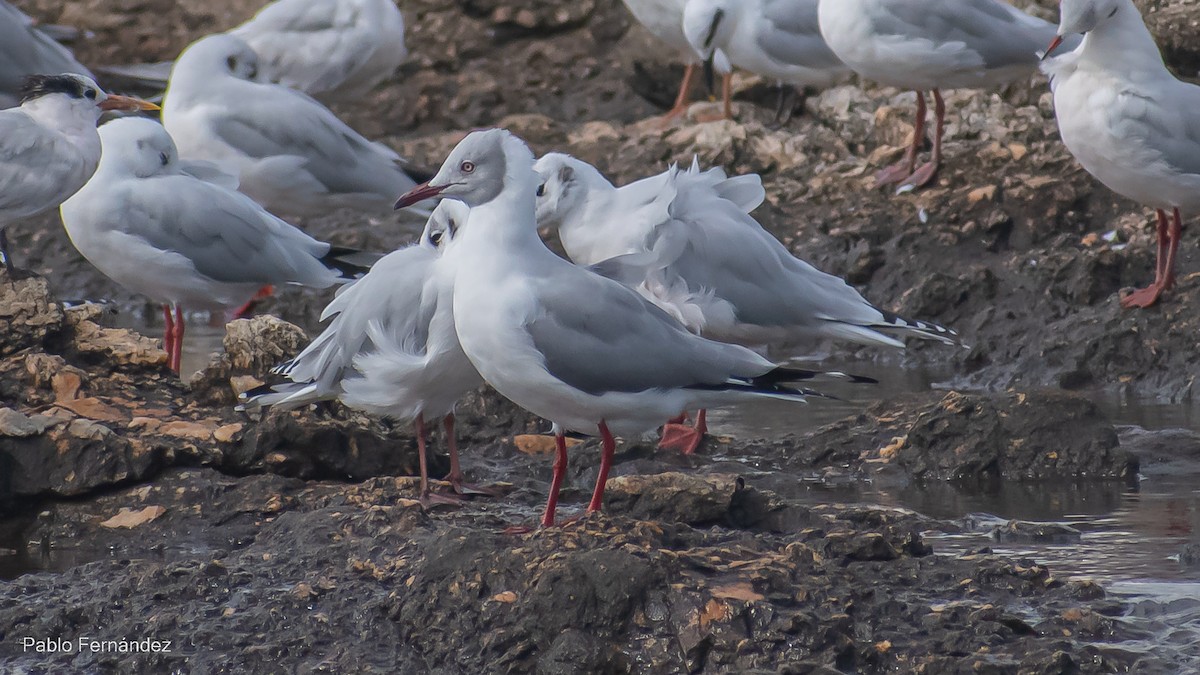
x=569 y=345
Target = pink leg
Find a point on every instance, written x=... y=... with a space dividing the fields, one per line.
x=560 y=471
x=177 y=340
x=168 y=335
x=245 y=309
x=923 y=175
x=686 y=440
x=1164 y=269
x=681 y=100
x=904 y=168
x=427 y=498
x=456 y=475
x=609 y=448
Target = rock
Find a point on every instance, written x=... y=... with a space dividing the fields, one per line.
x=17 y=425
x=675 y=497
x=28 y=314
x=129 y=518
x=1021 y=532
x=252 y=348
x=115 y=346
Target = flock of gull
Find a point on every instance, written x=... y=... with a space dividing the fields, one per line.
x=672 y=292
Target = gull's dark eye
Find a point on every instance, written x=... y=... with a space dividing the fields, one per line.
x=91 y=94
x=436 y=238
x=467 y=167
x=164 y=158
x=231 y=62
x=541 y=191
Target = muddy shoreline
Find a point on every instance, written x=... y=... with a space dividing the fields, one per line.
x=293 y=542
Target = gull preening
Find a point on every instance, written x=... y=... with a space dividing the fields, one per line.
x=180 y=240
x=27 y=50
x=49 y=146
x=291 y=154
x=569 y=345
x=930 y=45
x=390 y=349
x=777 y=39
x=1129 y=121
x=686 y=241
x=329 y=49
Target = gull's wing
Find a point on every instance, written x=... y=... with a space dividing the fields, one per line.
x=226 y=235
x=631 y=344
x=275 y=121
x=1164 y=124
x=25 y=50
x=1000 y=34
x=398 y=295
x=312 y=45
x=34 y=166
x=790 y=33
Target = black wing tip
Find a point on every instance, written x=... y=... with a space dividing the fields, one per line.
x=419 y=174
x=785 y=374
x=336 y=260
x=926 y=329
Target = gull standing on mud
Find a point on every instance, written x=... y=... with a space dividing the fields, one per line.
x=664 y=20
x=1129 y=121
x=291 y=154
x=329 y=49
x=26 y=50
x=391 y=349
x=686 y=242
x=49 y=146
x=777 y=39
x=930 y=45
x=564 y=343
x=154 y=228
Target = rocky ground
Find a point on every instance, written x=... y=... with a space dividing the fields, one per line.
x=289 y=542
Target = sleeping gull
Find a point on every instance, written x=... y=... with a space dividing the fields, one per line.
x=777 y=39
x=291 y=153
x=25 y=49
x=390 y=349
x=329 y=49
x=930 y=45
x=664 y=20
x=181 y=240
x=49 y=146
x=1129 y=122
x=565 y=343
x=686 y=242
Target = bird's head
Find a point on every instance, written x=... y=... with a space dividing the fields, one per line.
x=479 y=168
x=78 y=92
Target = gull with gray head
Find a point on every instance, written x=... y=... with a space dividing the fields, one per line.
x=569 y=345
x=1129 y=121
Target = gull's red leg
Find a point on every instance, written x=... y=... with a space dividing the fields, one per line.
x=177 y=357
x=168 y=335
x=686 y=440
x=681 y=100
x=560 y=471
x=455 y=477
x=904 y=168
x=248 y=306
x=428 y=499
x=923 y=175
x=1164 y=274
x=609 y=445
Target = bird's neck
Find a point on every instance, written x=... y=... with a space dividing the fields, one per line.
x=66 y=116
x=497 y=230
x=1123 y=43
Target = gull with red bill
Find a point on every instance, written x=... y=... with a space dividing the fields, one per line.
x=1129 y=121
x=49 y=146
x=569 y=345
